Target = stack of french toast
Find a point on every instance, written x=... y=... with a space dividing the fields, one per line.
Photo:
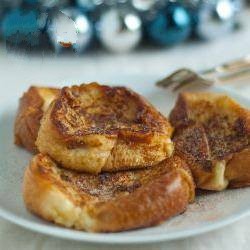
x=106 y=160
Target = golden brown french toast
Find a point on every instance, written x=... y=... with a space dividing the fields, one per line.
x=212 y=133
x=31 y=108
x=97 y=128
x=107 y=202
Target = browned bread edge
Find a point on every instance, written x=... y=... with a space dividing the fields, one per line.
x=53 y=199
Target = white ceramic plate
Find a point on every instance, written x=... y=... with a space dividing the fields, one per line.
x=207 y=213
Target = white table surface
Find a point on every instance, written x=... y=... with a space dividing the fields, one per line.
x=93 y=66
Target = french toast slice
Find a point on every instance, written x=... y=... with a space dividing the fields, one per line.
x=212 y=133
x=108 y=202
x=97 y=128
x=30 y=112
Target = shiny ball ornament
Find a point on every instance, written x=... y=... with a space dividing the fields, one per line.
x=143 y=5
x=89 y=5
x=119 y=30
x=23 y=27
x=215 y=19
x=238 y=5
x=53 y=3
x=6 y=6
x=46 y=3
x=70 y=28
x=170 y=25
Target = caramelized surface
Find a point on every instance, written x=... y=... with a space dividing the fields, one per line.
x=107 y=202
x=31 y=108
x=209 y=130
x=96 y=128
x=210 y=127
x=107 y=186
x=98 y=109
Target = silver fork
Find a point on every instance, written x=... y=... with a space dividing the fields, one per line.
x=232 y=70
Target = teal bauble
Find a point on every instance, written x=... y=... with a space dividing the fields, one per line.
x=170 y=25
x=23 y=27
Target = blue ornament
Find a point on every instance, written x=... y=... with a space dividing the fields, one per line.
x=170 y=25
x=23 y=27
x=88 y=5
x=30 y=2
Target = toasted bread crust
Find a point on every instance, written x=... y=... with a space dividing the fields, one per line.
x=98 y=128
x=108 y=202
x=238 y=169
x=105 y=110
x=29 y=115
x=210 y=129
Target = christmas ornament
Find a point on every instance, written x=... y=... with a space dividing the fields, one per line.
x=89 y=5
x=46 y=3
x=53 y=3
x=70 y=28
x=2 y=13
x=238 y=5
x=215 y=18
x=23 y=27
x=83 y=26
x=119 y=24
x=170 y=25
x=119 y=29
x=143 y=5
x=5 y=6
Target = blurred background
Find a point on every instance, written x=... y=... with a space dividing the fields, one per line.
x=51 y=41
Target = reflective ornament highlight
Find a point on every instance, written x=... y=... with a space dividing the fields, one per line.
x=70 y=28
x=46 y=3
x=170 y=25
x=215 y=19
x=119 y=30
x=54 y=3
x=143 y=5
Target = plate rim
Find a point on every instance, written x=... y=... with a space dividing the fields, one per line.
x=98 y=238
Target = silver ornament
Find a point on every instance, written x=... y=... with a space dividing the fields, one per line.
x=83 y=27
x=70 y=28
x=215 y=19
x=143 y=5
x=120 y=30
x=53 y=3
x=238 y=5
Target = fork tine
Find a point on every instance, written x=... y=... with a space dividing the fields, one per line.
x=181 y=85
x=220 y=74
x=193 y=81
x=185 y=82
x=164 y=83
x=182 y=78
x=175 y=77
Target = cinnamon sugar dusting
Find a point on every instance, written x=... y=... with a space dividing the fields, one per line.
x=209 y=207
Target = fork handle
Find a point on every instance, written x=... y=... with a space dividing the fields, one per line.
x=229 y=67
